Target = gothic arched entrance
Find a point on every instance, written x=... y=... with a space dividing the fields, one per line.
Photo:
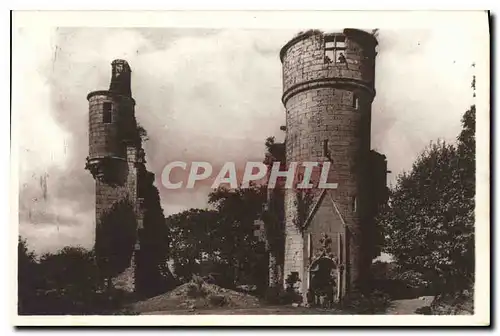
x=323 y=282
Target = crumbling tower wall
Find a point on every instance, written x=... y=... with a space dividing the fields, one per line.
x=328 y=89
x=112 y=161
x=130 y=226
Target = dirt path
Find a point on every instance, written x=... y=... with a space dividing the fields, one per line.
x=398 y=307
x=280 y=310
x=408 y=306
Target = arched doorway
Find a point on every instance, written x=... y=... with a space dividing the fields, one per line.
x=323 y=282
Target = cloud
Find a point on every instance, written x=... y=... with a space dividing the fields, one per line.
x=423 y=88
x=204 y=95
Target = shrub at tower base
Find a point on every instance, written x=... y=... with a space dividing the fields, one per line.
x=429 y=222
x=65 y=282
x=115 y=240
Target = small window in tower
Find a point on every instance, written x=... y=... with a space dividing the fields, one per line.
x=354 y=204
x=309 y=246
x=355 y=102
x=335 y=49
x=325 y=147
x=106 y=113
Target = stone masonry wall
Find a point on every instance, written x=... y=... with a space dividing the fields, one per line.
x=328 y=102
x=304 y=61
x=107 y=195
x=117 y=178
x=294 y=242
x=105 y=138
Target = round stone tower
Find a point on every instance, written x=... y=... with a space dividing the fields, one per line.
x=109 y=112
x=113 y=162
x=328 y=89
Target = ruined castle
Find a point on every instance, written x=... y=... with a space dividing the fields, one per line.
x=328 y=89
x=325 y=239
x=131 y=233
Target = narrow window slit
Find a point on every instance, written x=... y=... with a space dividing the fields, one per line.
x=355 y=102
x=106 y=114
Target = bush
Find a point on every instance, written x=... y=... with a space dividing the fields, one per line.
x=217 y=300
x=196 y=287
x=376 y=302
x=291 y=294
x=424 y=310
x=194 y=291
x=453 y=304
x=72 y=302
x=278 y=295
x=289 y=297
x=64 y=283
x=198 y=280
x=219 y=279
x=126 y=311
x=398 y=282
x=272 y=295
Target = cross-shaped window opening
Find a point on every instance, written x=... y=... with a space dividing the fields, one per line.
x=335 y=49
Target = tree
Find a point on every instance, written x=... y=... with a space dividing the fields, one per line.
x=194 y=235
x=70 y=267
x=26 y=273
x=223 y=237
x=152 y=275
x=238 y=210
x=274 y=215
x=429 y=221
x=69 y=281
x=65 y=282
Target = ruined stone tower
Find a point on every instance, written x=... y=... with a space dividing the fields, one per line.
x=328 y=89
x=129 y=218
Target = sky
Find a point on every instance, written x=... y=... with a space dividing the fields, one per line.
x=206 y=95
